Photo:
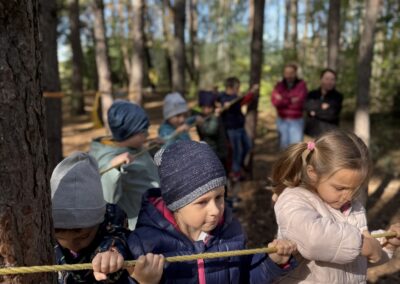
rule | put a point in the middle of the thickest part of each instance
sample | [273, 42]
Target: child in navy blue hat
[210, 128]
[125, 184]
[187, 215]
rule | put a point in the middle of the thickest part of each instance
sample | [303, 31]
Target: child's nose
[214, 209]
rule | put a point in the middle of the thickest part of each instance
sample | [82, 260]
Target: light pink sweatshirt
[328, 240]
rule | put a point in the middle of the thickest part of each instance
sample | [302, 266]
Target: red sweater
[291, 101]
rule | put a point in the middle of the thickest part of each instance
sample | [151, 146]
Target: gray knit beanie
[188, 170]
[174, 104]
[76, 193]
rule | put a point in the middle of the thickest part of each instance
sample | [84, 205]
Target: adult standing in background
[288, 97]
[323, 105]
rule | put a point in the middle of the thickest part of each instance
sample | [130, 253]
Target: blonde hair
[333, 151]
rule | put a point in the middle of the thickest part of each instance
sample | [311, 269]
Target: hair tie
[311, 145]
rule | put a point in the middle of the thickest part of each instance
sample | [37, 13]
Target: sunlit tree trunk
[51, 80]
[137, 64]
[102, 60]
[77, 99]
[365, 56]
[25, 207]
[333, 34]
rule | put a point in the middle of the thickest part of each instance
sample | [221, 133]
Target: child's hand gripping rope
[127, 264]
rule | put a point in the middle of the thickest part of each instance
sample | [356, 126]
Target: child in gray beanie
[125, 184]
[187, 215]
[176, 124]
[86, 228]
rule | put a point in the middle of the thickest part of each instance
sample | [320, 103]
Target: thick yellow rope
[179, 258]
[84, 266]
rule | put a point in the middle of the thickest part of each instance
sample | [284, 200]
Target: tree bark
[194, 53]
[137, 64]
[77, 99]
[102, 60]
[178, 47]
[51, 80]
[25, 208]
[365, 56]
[333, 34]
[287, 23]
[256, 56]
[121, 31]
[167, 40]
[293, 24]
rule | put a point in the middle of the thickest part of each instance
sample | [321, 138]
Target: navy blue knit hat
[188, 170]
[207, 99]
[126, 119]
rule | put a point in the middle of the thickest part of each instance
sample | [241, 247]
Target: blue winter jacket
[157, 232]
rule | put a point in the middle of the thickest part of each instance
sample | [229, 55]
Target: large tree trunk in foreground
[25, 210]
[50, 80]
[137, 62]
[256, 56]
[77, 99]
[102, 60]
[333, 33]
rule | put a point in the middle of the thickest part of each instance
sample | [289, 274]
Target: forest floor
[255, 211]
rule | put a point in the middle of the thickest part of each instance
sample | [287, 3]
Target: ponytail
[288, 169]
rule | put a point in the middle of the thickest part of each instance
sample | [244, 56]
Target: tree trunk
[102, 60]
[167, 41]
[77, 99]
[287, 17]
[194, 54]
[333, 33]
[122, 34]
[365, 55]
[137, 64]
[178, 47]
[293, 30]
[256, 56]
[51, 80]
[25, 208]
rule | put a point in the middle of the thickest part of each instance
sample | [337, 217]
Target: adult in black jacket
[323, 105]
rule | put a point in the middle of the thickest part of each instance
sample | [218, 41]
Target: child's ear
[312, 174]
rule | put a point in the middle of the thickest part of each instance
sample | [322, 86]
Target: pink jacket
[289, 103]
[328, 240]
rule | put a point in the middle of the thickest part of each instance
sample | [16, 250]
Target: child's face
[137, 140]
[177, 120]
[201, 215]
[339, 188]
[233, 90]
[207, 110]
[76, 239]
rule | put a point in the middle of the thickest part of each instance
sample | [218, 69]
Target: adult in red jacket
[288, 97]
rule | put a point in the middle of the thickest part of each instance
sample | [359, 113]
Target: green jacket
[125, 186]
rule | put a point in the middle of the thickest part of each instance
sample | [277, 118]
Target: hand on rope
[179, 258]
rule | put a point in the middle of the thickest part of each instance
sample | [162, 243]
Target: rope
[129, 263]
[134, 157]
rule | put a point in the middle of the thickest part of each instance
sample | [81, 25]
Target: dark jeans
[241, 145]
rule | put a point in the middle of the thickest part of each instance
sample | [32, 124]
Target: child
[233, 121]
[175, 126]
[187, 216]
[125, 184]
[210, 129]
[86, 228]
[317, 183]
